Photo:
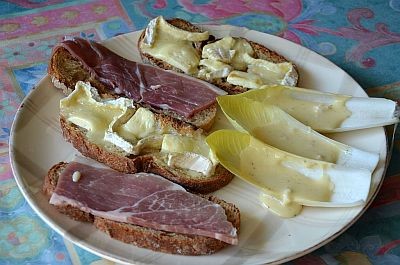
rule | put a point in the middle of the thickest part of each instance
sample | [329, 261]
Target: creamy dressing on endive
[317, 113]
[282, 135]
[275, 127]
[274, 171]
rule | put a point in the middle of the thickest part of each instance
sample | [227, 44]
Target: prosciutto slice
[142, 199]
[143, 83]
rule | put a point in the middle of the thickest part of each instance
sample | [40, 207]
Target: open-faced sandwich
[142, 209]
[234, 64]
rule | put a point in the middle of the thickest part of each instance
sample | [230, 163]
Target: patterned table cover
[361, 37]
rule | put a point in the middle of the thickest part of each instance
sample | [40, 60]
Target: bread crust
[157, 240]
[143, 163]
[261, 52]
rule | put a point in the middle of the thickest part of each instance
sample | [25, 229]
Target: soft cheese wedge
[173, 45]
[189, 152]
[287, 177]
[326, 112]
[275, 127]
[244, 70]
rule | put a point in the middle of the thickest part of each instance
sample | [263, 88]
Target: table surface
[361, 37]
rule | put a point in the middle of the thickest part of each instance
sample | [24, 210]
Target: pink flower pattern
[297, 23]
[367, 40]
[288, 12]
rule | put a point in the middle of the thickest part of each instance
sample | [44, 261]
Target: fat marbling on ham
[143, 83]
[142, 199]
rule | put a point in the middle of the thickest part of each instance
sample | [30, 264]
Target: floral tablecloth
[362, 37]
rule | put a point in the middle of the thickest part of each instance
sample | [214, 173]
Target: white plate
[36, 144]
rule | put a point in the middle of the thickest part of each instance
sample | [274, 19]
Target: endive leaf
[327, 112]
[309, 182]
[275, 127]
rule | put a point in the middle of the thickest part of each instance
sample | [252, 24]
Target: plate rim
[109, 256]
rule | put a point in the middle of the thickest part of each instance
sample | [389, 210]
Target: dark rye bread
[145, 163]
[156, 240]
[66, 71]
[260, 51]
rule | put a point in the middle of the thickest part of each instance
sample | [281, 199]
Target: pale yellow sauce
[267, 168]
[306, 107]
[284, 136]
[275, 127]
[279, 207]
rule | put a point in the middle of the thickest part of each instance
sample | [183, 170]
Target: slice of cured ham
[143, 83]
[142, 199]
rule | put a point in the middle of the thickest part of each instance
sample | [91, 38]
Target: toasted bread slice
[162, 241]
[152, 162]
[260, 52]
[66, 71]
